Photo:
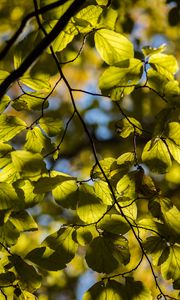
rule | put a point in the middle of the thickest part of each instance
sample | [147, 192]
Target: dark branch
[32, 14]
[30, 59]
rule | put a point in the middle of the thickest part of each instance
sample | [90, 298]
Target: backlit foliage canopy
[89, 150]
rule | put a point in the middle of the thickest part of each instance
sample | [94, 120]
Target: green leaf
[136, 290]
[62, 242]
[121, 79]
[46, 258]
[4, 103]
[29, 278]
[156, 156]
[47, 184]
[155, 246]
[5, 150]
[7, 279]
[126, 127]
[171, 218]
[64, 37]
[130, 211]
[170, 268]
[8, 234]
[59, 250]
[110, 251]
[173, 149]
[102, 191]
[30, 198]
[102, 2]
[126, 160]
[8, 196]
[66, 193]
[35, 140]
[114, 223]
[36, 82]
[90, 208]
[82, 235]
[148, 51]
[51, 126]
[171, 90]
[164, 64]
[28, 163]
[101, 291]
[23, 221]
[87, 18]
[3, 75]
[9, 174]
[10, 126]
[126, 186]
[112, 46]
[173, 132]
[31, 101]
[106, 165]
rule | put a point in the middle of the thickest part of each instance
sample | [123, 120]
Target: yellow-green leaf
[164, 64]
[156, 156]
[170, 268]
[51, 126]
[28, 163]
[112, 46]
[122, 78]
[90, 208]
[10, 126]
[126, 127]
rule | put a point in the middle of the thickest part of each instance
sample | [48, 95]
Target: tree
[89, 149]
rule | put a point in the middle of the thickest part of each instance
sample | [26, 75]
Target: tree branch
[32, 14]
[30, 59]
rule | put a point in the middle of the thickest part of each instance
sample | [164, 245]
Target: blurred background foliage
[144, 23]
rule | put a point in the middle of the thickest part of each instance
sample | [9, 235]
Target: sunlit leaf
[10, 126]
[23, 221]
[173, 132]
[30, 101]
[112, 46]
[101, 291]
[164, 64]
[3, 75]
[173, 149]
[90, 208]
[121, 79]
[170, 268]
[4, 103]
[37, 83]
[102, 191]
[155, 245]
[8, 196]
[35, 140]
[82, 235]
[62, 242]
[51, 126]
[114, 223]
[5, 150]
[126, 127]
[156, 156]
[148, 51]
[126, 160]
[126, 186]
[8, 234]
[28, 163]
